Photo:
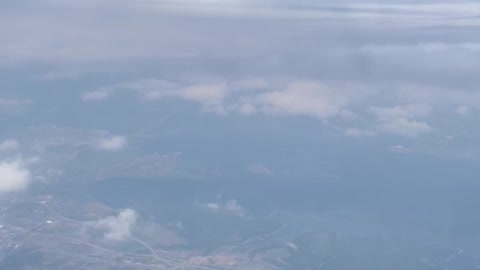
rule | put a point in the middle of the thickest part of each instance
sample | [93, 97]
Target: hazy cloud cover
[9, 145]
[277, 81]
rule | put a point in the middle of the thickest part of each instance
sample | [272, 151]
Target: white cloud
[355, 132]
[405, 127]
[259, 169]
[309, 98]
[210, 95]
[402, 111]
[114, 143]
[234, 207]
[205, 93]
[463, 110]
[213, 206]
[398, 120]
[245, 108]
[96, 95]
[13, 103]
[231, 207]
[117, 228]
[8, 145]
[399, 149]
[14, 176]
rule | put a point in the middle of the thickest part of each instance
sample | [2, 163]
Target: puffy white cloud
[117, 228]
[113, 143]
[210, 94]
[231, 207]
[213, 206]
[398, 120]
[309, 98]
[8, 145]
[405, 127]
[234, 207]
[205, 93]
[14, 176]
[244, 108]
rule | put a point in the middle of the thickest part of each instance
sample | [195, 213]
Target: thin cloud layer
[359, 133]
[9, 145]
[248, 61]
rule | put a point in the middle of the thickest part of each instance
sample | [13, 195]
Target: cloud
[149, 89]
[205, 93]
[113, 143]
[463, 110]
[311, 99]
[14, 103]
[234, 207]
[399, 149]
[259, 169]
[416, 12]
[273, 64]
[405, 127]
[96, 95]
[117, 228]
[209, 94]
[402, 111]
[231, 207]
[398, 120]
[307, 98]
[8, 145]
[14, 176]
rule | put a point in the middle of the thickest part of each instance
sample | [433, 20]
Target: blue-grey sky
[279, 90]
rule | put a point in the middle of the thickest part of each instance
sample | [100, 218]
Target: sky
[361, 91]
